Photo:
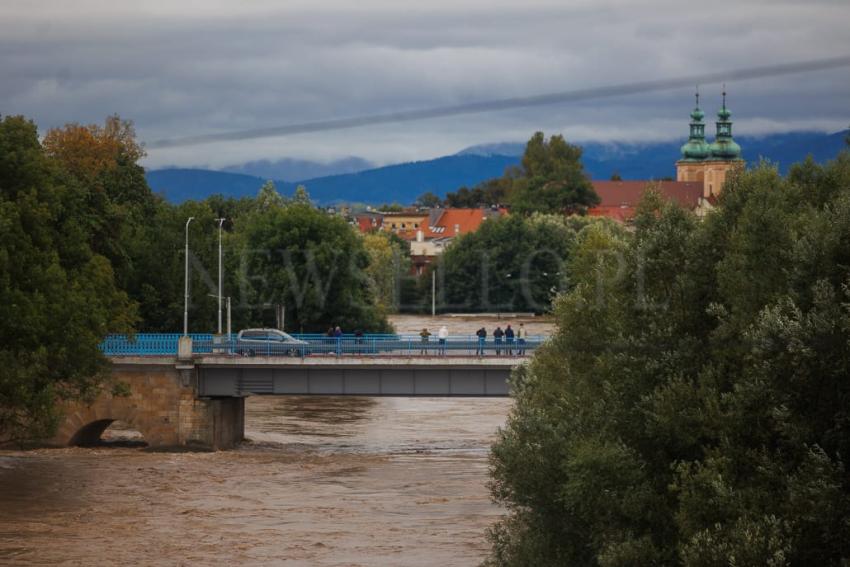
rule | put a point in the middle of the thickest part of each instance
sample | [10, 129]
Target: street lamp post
[434, 292]
[220, 223]
[186, 287]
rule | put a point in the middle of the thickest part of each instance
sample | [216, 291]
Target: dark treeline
[694, 406]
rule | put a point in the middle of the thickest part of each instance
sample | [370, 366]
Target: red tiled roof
[628, 193]
[464, 220]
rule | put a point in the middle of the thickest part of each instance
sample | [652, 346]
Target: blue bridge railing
[150, 344]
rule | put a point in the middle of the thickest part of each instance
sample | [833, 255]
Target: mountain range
[404, 182]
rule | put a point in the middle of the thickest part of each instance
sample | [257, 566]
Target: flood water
[323, 481]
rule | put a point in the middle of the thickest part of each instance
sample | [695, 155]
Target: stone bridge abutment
[162, 403]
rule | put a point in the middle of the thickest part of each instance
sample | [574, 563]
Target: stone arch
[90, 434]
[84, 426]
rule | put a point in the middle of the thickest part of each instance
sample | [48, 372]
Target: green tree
[428, 200]
[388, 264]
[312, 263]
[491, 192]
[58, 297]
[692, 407]
[268, 197]
[510, 264]
[553, 179]
[301, 196]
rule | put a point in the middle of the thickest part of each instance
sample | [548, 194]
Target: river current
[321, 481]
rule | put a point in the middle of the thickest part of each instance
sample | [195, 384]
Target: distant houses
[428, 231]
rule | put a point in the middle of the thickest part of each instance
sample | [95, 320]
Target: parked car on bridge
[252, 342]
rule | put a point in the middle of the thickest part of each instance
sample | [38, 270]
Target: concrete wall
[162, 406]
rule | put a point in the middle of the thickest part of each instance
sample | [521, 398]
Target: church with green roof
[707, 163]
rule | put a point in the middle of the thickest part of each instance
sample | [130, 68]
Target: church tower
[725, 153]
[709, 164]
[695, 151]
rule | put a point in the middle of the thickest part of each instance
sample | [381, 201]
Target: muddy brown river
[323, 481]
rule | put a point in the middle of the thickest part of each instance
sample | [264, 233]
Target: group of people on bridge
[505, 341]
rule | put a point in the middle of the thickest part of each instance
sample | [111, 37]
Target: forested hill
[402, 182]
[406, 181]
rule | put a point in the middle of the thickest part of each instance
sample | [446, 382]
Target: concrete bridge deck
[360, 376]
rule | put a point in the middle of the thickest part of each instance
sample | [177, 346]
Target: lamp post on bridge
[220, 223]
[186, 286]
[434, 292]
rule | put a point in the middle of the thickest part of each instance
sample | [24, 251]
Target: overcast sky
[182, 68]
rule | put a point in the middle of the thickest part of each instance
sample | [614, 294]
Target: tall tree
[553, 178]
[58, 297]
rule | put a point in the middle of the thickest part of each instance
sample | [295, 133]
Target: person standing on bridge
[482, 337]
[509, 338]
[442, 335]
[338, 337]
[521, 334]
[497, 338]
[358, 340]
[425, 334]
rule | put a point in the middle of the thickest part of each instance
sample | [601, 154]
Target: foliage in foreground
[58, 295]
[694, 407]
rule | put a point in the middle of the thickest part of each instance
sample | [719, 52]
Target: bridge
[190, 391]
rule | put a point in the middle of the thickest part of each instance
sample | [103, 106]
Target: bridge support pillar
[160, 400]
[224, 422]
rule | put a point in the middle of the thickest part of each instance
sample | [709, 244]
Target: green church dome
[725, 150]
[724, 147]
[696, 148]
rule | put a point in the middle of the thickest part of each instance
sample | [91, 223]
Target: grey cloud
[179, 72]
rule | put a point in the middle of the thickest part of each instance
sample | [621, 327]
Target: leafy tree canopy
[692, 407]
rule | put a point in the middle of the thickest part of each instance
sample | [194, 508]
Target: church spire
[724, 147]
[696, 148]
